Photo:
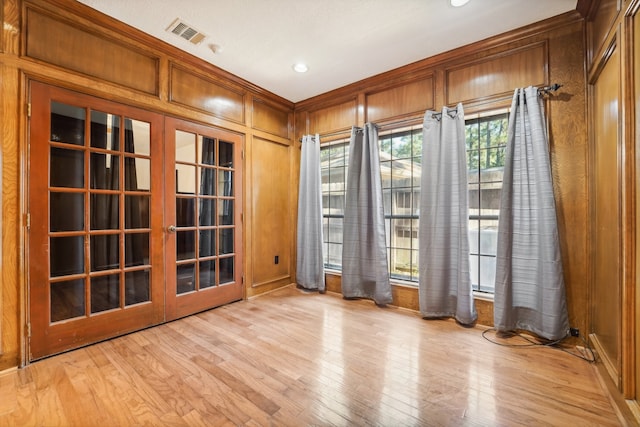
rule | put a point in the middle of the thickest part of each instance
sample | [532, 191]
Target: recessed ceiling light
[300, 68]
[458, 3]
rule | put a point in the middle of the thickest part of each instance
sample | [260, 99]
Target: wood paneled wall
[613, 46]
[66, 44]
[483, 77]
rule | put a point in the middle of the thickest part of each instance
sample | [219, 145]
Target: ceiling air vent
[186, 31]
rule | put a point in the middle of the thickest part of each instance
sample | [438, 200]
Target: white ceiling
[342, 41]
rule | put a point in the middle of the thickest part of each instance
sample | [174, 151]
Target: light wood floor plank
[292, 358]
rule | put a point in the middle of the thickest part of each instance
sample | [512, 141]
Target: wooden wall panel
[606, 289]
[413, 97]
[333, 118]
[60, 43]
[272, 230]
[195, 91]
[2, 31]
[497, 75]
[569, 152]
[11, 254]
[300, 125]
[635, 96]
[601, 24]
[270, 119]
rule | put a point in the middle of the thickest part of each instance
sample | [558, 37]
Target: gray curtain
[445, 281]
[365, 273]
[529, 288]
[310, 267]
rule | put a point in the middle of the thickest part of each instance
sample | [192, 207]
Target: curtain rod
[541, 90]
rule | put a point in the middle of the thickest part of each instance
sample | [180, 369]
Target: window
[400, 167]
[400, 157]
[401, 170]
[333, 163]
[486, 142]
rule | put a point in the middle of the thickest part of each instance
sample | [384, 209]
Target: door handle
[171, 229]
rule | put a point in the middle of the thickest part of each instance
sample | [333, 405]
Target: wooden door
[96, 253]
[203, 217]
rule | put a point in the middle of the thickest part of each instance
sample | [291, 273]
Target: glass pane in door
[67, 299]
[67, 123]
[66, 212]
[105, 293]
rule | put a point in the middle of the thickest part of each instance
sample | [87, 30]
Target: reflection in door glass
[206, 155]
[185, 211]
[225, 183]
[226, 270]
[105, 252]
[66, 211]
[136, 249]
[207, 243]
[67, 299]
[205, 214]
[66, 255]
[186, 280]
[225, 212]
[136, 286]
[105, 293]
[226, 154]
[185, 147]
[185, 245]
[207, 273]
[226, 241]
[67, 123]
[105, 211]
[137, 137]
[66, 168]
[105, 131]
[105, 171]
[137, 174]
[207, 181]
[185, 179]
[136, 212]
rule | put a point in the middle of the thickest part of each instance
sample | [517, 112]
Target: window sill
[482, 296]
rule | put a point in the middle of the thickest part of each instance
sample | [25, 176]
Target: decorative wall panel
[336, 117]
[497, 75]
[57, 42]
[413, 97]
[195, 91]
[270, 119]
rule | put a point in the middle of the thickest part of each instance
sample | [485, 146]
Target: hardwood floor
[291, 358]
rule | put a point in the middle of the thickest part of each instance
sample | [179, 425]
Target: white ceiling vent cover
[186, 31]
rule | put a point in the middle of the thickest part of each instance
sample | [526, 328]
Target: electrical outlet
[575, 332]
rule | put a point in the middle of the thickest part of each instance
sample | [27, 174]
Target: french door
[203, 208]
[111, 248]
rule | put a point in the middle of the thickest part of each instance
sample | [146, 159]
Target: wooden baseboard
[634, 407]
[609, 381]
[8, 371]
[604, 359]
